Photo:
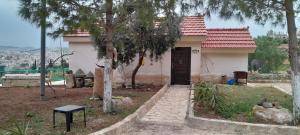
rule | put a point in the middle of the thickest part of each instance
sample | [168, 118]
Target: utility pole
[43, 49]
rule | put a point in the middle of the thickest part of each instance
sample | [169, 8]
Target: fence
[55, 74]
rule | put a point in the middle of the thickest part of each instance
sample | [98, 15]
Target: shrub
[209, 94]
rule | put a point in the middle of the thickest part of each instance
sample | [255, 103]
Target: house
[200, 54]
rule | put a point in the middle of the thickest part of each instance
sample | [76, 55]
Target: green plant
[18, 129]
[208, 93]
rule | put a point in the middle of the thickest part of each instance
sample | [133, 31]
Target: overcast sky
[16, 32]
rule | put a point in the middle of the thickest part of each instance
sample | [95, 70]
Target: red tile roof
[228, 38]
[190, 26]
[193, 26]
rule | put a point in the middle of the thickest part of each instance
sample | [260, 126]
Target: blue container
[231, 82]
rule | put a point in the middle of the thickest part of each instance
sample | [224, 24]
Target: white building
[201, 54]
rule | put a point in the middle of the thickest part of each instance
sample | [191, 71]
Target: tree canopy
[137, 26]
[268, 55]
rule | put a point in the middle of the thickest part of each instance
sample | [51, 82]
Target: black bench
[68, 111]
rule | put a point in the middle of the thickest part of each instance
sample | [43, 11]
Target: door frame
[173, 69]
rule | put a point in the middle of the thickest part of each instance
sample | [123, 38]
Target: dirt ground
[16, 103]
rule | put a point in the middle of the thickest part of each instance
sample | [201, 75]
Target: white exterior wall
[196, 63]
[223, 63]
[204, 62]
[84, 57]
[152, 71]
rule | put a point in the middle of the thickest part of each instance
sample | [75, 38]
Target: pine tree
[35, 11]
[107, 20]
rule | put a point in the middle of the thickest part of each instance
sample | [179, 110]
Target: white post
[107, 86]
[296, 94]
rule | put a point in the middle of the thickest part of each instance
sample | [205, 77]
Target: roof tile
[228, 38]
[193, 26]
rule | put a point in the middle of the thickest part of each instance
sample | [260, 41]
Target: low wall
[213, 78]
[21, 80]
[269, 81]
[231, 127]
[127, 123]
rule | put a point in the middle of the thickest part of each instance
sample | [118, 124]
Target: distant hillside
[8, 47]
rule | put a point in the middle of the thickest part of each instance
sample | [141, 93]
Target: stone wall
[21, 80]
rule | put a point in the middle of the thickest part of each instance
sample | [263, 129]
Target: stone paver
[284, 87]
[156, 129]
[171, 108]
[167, 116]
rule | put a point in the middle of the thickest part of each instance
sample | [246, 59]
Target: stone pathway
[167, 116]
[171, 108]
[284, 87]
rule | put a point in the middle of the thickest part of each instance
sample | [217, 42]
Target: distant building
[281, 35]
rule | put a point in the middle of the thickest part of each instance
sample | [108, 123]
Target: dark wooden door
[181, 65]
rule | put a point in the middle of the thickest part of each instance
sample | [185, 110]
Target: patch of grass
[239, 101]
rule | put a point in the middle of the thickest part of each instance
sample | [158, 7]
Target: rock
[277, 105]
[116, 103]
[260, 103]
[89, 75]
[70, 81]
[88, 82]
[279, 116]
[267, 104]
[127, 101]
[122, 102]
[79, 82]
[79, 73]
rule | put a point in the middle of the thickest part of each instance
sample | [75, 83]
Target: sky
[16, 32]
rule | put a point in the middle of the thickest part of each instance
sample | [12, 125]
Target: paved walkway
[284, 87]
[167, 116]
[171, 108]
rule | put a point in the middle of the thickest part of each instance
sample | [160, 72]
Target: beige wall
[158, 72]
[84, 57]
[151, 72]
[214, 65]
[204, 62]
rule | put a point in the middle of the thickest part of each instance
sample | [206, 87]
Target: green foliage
[261, 11]
[273, 77]
[239, 101]
[268, 54]
[143, 31]
[20, 128]
[208, 93]
[33, 11]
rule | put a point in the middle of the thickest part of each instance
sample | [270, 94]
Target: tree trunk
[108, 60]
[98, 88]
[43, 50]
[136, 69]
[293, 57]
